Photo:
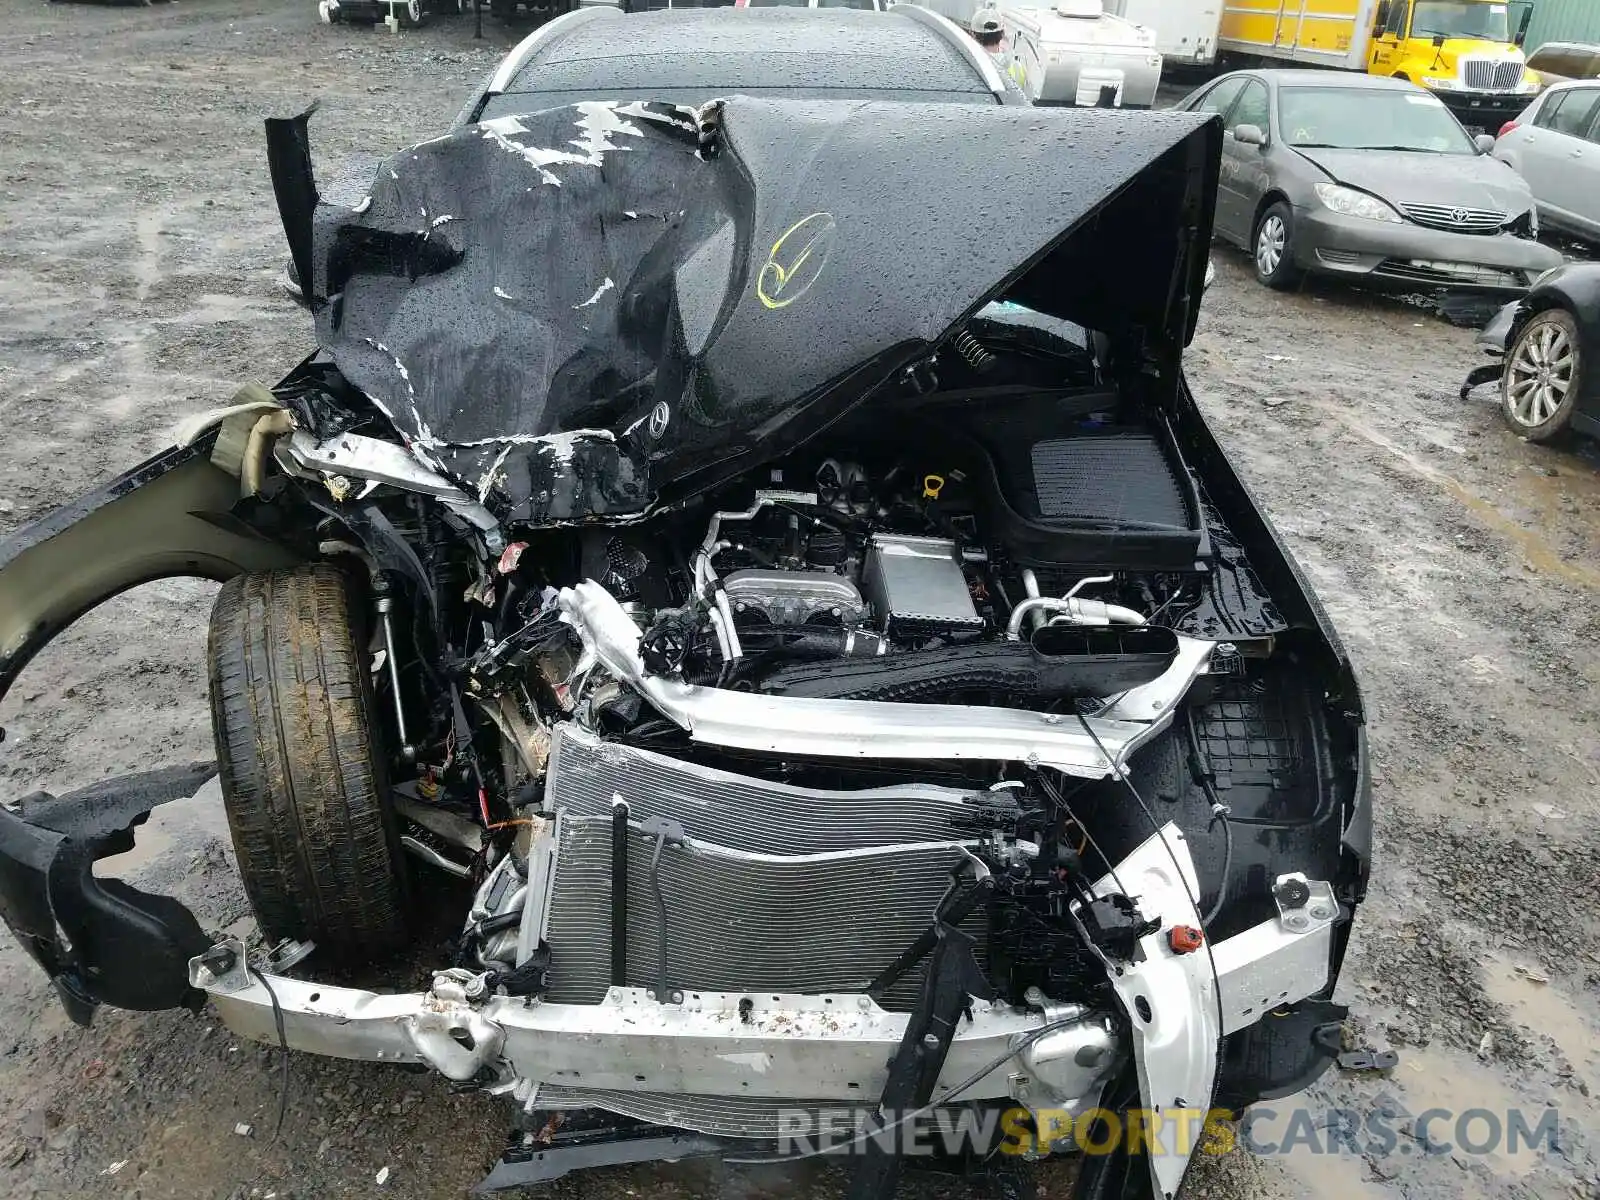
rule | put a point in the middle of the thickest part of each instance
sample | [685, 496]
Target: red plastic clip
[1184, 939]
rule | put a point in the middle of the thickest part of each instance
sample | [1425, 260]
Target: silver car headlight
[1348, 202]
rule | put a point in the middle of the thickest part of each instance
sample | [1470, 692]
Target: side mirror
[1249, 135]
[1381, 21]
[1484, 142]
[1522, 26]
[1438, 39]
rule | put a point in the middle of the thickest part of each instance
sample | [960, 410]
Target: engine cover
[795, 597]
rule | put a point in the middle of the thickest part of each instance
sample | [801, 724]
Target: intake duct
[1057, 662]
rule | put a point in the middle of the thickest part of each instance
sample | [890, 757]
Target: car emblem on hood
[1458, 215]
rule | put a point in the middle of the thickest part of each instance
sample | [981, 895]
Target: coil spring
[971, 349]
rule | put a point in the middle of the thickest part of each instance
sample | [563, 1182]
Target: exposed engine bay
[953, 733]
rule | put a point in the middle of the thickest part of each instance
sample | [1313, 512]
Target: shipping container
[1313, 33]
[1564, 21]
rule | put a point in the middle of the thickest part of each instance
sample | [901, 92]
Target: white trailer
[1186, 30]
[1073, 52]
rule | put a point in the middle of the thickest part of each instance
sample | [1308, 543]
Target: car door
[1389, 28]
[1242, 181]
[1556, 157]
[1586, 173]
[1219, 98]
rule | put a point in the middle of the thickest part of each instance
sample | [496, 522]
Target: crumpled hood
[585, 311]
[1404, 177]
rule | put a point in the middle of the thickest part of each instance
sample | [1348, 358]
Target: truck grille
[1458, 220]
[1485, 74]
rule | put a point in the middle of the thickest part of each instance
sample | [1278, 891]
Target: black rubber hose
[811, 645]
[1060, 662]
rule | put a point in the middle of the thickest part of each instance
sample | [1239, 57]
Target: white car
[1555, 146]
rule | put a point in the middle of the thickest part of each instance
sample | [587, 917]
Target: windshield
[1369, 119]
[1460, 19]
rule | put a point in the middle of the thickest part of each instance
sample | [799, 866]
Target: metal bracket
[952, 980]
[1304, 905]
[665, 831]
[1367, 1060]
[955, 906]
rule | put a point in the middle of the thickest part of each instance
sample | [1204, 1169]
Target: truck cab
[1467, 52]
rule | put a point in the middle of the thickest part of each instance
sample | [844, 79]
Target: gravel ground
[139, 251]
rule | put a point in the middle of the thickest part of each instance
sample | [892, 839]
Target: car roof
[1347, 80]
[850, 51]
[1567, 85]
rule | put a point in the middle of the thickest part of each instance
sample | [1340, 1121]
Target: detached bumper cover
[99, 940]
[1407, 255]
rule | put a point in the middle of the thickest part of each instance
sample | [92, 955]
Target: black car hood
[1403, 177]
[594, 309]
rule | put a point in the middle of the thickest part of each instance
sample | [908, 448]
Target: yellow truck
[1467, 52]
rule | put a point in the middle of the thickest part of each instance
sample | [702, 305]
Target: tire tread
[302, 783]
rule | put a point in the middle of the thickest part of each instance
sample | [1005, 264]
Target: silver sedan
[1368, 179]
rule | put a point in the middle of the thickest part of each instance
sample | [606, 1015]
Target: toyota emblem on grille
[1458, 215]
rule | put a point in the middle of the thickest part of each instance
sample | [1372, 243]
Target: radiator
[776, 889]
[737, 811]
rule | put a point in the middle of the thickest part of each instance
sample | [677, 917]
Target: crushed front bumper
[711, 1058]
[1408, 256]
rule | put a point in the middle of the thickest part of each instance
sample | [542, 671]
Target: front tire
[303, 783]
[1272, 247]
[1543, 377]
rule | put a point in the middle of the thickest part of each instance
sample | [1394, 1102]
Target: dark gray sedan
[1369, 179]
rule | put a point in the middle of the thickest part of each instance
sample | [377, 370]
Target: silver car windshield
[1461, 19]
[1369, 119]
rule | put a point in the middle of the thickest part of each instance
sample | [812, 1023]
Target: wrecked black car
[831, 649]
[1543, 346]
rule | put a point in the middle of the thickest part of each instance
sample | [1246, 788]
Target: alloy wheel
[1270, 241]
[1540, 374]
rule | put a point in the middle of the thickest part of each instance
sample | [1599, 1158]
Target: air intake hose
[1058, 662]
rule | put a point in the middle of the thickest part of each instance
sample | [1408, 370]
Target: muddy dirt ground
[139, 253]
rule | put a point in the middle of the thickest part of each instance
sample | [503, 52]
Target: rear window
[1570, 112]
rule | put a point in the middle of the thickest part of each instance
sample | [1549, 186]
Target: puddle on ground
[1539, 553]
[1433, 1077]
[179, 824]
[1330, 1177]
[1545, 1009]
